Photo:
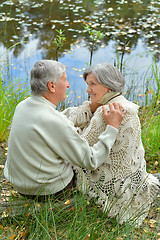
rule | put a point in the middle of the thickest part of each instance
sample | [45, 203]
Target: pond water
[132, 27]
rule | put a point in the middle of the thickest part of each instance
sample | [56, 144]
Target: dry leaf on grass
[67, 202]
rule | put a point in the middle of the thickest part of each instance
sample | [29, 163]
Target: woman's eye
[91, 84]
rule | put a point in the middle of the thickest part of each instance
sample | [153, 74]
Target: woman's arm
[80, 116]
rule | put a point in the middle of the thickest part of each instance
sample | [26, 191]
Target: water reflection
[129, 26]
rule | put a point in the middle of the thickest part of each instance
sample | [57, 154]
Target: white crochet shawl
[121, 185]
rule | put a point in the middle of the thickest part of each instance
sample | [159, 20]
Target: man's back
[32, 163]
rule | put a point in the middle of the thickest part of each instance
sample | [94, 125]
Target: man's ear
[51, 86]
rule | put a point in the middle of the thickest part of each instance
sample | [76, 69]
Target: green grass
[10, 96]
[150, 122]
[81, 218]
[75, 220]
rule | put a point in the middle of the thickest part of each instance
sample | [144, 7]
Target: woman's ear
[51, 86]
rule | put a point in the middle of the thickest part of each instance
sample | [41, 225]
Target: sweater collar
[108, 96]
[44, 100]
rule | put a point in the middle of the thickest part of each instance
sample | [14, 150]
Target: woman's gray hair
[44, 71]
[107, 75]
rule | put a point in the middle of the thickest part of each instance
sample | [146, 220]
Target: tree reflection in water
[128, 27]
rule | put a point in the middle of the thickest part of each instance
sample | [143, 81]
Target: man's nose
[68, 85]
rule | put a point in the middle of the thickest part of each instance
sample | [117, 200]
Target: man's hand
[115, 116]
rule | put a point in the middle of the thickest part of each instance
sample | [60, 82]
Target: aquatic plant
[152, 92]
[118, 61]
[95, 36]
[59, 41]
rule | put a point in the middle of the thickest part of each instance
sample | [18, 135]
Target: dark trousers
[59, 195]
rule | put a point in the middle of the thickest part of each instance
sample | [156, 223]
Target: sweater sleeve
[80, 116]
[72, 148]
[95, 127]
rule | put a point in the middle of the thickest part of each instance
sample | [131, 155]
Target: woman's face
[95, 89]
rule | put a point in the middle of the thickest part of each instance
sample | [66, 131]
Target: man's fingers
[111, 106]
[121, 108]
[117, 106]
[104, 110]
[114, 107]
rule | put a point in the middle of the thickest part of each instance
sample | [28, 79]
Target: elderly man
[43, 143]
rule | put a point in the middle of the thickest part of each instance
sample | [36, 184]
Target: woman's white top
[121, 184]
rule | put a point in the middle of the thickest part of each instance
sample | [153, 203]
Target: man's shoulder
[23, 103]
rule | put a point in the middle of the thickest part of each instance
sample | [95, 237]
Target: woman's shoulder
[126, 104]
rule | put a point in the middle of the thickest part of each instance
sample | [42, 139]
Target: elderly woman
[121, 184]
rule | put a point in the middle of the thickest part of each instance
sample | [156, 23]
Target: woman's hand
[115, 116]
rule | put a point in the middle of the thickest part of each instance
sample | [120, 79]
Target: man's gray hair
[44, 71]
[107, 75]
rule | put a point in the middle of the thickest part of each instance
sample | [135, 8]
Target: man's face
[60, 87]
[95, 89]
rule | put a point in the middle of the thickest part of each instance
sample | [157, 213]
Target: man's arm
[76, 150]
